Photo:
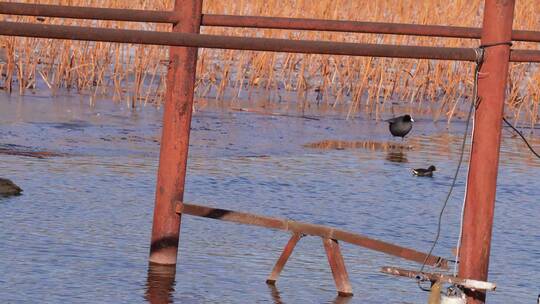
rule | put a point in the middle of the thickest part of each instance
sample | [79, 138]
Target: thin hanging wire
[474, 102]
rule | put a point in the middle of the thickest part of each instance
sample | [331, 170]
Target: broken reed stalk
[134, 73]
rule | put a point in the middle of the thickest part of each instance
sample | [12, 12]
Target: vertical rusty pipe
[175, 136]
[482, 178]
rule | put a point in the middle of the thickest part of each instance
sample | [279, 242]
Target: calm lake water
[81, 231]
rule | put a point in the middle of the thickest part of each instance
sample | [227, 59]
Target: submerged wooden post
[482, 176]
[339, 271]
[175, 136]
[287, 251]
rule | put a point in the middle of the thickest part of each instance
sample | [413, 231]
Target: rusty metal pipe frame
[482, 177]
[175, 137]
[77, 12]
[309, 229]
[248, 43]
[229, 42]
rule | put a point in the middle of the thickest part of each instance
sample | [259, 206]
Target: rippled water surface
[80, 233]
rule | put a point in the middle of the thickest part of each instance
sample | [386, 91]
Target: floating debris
[254, 156]
[367, 144]
[9, 149]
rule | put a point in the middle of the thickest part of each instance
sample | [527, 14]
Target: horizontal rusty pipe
[310, 229]
[248, 43]
[340, 26]
[228, 42]
[78, 12]
[524, 55]
[357, 27]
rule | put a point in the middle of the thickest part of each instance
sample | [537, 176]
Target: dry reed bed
[134, 73]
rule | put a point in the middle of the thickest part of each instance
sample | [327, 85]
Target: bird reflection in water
[160, 284]
[276, 297]
[396, 156]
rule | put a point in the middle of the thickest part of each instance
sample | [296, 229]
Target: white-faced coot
[401, 125]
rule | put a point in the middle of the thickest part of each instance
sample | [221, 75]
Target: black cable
[522, 137]
[451, 186]
[474, 103]
[483, 46]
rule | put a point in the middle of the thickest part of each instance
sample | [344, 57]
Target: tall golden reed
[134, 73]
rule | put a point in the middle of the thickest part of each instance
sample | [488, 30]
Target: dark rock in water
[401, 125]
[8, 188]
[424, 172]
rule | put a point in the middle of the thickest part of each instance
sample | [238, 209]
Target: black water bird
[424, 172]
[401, 125]
[8, 188]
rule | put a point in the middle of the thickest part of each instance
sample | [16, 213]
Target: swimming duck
[424, 172]
[8, 188]
[401, 125]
